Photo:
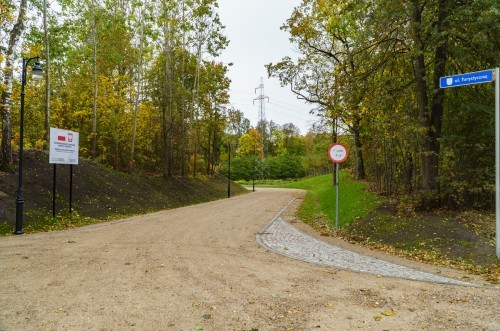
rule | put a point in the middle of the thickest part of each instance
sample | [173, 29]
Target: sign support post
[337, 198]
[497, 159]
[54, 176]
[485, 76]
[63, 150]
[337, 154]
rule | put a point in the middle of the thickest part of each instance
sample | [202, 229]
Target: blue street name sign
[477, 77]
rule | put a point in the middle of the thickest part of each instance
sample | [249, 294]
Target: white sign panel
[337, 153]
[63, 146]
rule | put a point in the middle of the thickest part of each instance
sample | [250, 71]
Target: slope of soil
[463, 240]
[100, 192]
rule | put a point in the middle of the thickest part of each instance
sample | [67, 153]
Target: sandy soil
[200, 268]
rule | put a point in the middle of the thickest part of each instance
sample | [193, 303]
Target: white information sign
[63, 146]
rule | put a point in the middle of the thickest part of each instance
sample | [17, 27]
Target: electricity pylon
[260, 165]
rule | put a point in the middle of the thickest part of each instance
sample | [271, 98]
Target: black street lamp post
[37, 73]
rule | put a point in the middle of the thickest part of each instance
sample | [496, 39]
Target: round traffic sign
[337, 153]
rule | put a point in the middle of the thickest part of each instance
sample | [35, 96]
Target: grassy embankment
[319, 203]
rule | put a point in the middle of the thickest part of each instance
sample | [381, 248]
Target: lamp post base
[19, 214]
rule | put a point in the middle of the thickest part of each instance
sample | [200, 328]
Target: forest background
[141, 82]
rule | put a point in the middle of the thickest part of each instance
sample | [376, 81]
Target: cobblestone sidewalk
[282, 238]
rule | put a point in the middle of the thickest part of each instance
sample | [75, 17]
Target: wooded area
[374, 67]
[141, 82]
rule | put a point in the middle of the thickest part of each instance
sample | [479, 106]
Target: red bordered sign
[337, 153]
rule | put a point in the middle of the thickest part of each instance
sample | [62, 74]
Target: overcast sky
[253, 28]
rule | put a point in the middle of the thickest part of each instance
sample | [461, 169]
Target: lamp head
[37, 72]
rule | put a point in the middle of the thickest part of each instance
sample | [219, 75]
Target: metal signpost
[485, 76]
[337, 154]
[63, 150]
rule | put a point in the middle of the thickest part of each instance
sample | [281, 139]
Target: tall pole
[20, 189]
[54, 179]
[37, 72]
[337, 197]
[70, 187]
[497, 159]
[261, 127]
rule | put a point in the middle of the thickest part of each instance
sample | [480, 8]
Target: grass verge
[320, 202]
[461, 240]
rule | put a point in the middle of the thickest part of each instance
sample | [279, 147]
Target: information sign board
[63, 146]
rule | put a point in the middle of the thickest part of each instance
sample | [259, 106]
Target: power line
[291, 109]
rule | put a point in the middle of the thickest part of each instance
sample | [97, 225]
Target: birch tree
[14, 36]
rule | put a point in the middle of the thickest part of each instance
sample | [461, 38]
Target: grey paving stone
[282, 238]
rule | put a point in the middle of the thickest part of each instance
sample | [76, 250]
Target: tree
[5, 108]
[248, 143]
[46, 42]
[334, 42]
[375, 67]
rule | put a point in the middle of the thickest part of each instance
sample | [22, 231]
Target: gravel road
[201, 268]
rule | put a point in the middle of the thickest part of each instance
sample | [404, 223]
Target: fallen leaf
[377, 318]
[389, 313]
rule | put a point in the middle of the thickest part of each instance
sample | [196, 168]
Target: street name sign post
[337, 153]
[478, 77]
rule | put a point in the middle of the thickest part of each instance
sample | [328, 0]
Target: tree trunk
[183, 102]
[358, 151]
[138, 88]
[170, 136]
[163, 141]
[94, 121]
[192, 123]
[15, 34]
[422, 99]
[209, 154]
[430, 117]
[47, 75]
[335, 136]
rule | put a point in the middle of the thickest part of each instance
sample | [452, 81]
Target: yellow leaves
[388, 313]
[6, 13]
[32, 50]
[249, 144]
[294, 312]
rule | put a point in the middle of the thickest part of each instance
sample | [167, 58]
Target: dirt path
[200, 267]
